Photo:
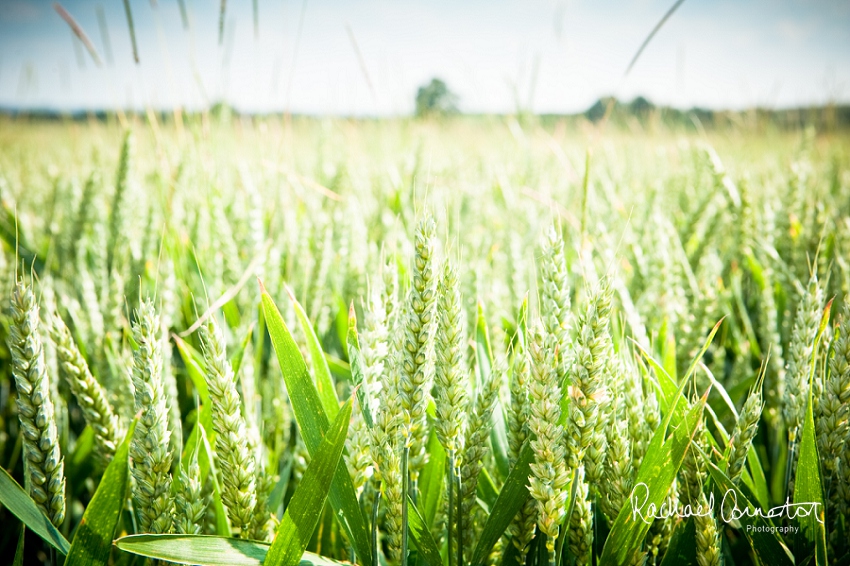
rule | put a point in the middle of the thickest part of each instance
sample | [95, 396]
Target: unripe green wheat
[555, 300]
[450, 380]
[833, 429]
[44, 463]
[476, 447]
[800, 357]
[618, 470]
[550, 478]
[520, 407]
[359, 458]
[150, 448]
[190, 502]
[234, 456]
[417, 351]
[771, 340]
[707, 535]
[580, 536]
[588, 389]
[116, 214]
[91, 396]
[392, 489]
[263, 522]
[744, 432]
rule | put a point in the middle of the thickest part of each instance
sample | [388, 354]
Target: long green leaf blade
[324, 382]
[484, 361]
[205, 550]
[422, 537]
[656, 475]
[16, 500]
[355, 361]
[808, 491]
[206, 463]
[759, 531]
[511, 498]
[93, 539]
[682, 548]
[19, 551]
[80, 464]
[239, 354]
[313, 422]
[304, 510]
[194, 367]
[431, 480]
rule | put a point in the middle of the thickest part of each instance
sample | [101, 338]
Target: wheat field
[458, 342]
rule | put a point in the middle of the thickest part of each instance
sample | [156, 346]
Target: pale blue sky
[715, 53]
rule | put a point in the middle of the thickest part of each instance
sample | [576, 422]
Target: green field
[448, 342]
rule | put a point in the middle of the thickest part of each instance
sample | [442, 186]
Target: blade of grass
[656, 474]
[808, 490]
[355, 361]
[313, 422]
[486, 489]
[324, 383]
[222, 10]
[484, 363]
[80, 465]
[668, 353]
[19, 550]
[236, 358]
[340, 369]
[15, 499]
[681, 551]
[279, 491]
[93, 538]
[511, 498]
[205, 550]
[421, 536]
[756, 480]
[194, 363]
[666, 385]
[651, 35]
[305, 508]
[431, 480]
[758, 531]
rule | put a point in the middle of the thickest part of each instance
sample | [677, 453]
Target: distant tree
[222, 112]
[600, 108]
[435, 98]
[641, 107]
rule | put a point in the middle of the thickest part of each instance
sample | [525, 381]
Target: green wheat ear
[833, 429]
[44, 463]
[549, 474]
[555, 300]
[417, 364]
[190, 502]
[236, 462]
[150, 448]
[745, 431]
[799, 357]
[450, 380]
[90, 395]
